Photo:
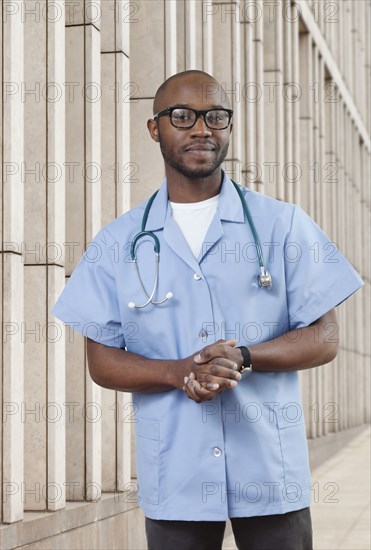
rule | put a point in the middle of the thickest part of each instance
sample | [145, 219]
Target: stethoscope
[264, 277]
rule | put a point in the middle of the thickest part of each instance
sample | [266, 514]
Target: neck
[183, 189]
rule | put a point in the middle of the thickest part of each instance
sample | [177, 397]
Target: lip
[200, 148]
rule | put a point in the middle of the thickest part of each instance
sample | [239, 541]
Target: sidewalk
[341, 517]
[341, 499]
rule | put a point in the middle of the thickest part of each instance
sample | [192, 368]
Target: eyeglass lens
[216, 119]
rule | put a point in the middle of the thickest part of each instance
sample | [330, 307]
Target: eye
[182, 115]
[217, 116]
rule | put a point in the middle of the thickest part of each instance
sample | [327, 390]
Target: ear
[153, 129]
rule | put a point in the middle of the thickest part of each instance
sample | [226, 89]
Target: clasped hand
[213, 370]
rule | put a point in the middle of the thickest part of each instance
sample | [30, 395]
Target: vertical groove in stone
[2, 393]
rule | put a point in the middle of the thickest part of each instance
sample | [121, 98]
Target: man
[212, 442]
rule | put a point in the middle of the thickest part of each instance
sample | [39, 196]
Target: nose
[200, 128]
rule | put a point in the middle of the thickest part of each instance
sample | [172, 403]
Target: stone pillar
[147, 73]
[83, 220]
[12, 233]
[297, 184]
[330, 217]
[193, 34]
[249, 98]
[226, 63]
[260, 109]
[171, 11]
[306, 123]
[290, 96]
[273, 100]
[118, 176]
[366, 298]
[207, 38]
[44, 421]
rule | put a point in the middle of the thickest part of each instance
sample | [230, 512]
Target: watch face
[246, 369]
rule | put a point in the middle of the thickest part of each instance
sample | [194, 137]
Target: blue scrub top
[245, 452]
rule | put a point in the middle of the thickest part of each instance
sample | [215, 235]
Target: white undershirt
[194, 220]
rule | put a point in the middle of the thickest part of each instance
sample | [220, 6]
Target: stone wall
[79, 79]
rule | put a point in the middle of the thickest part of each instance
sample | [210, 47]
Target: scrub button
[197, 277]
[203, 334]
[217, 452]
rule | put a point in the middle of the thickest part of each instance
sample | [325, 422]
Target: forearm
[295, 350]
[299, 349]
[121, 370]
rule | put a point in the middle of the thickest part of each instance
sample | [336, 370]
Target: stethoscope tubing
[264, 277]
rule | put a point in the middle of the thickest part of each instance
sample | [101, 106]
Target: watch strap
[246, 365]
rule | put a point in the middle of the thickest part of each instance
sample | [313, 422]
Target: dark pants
[291, 531]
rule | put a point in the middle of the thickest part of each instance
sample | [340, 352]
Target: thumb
[231, 343]
[199, 359]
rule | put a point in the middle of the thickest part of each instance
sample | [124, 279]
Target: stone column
[290, 93]
[273, 100]
[83, 220]
[44, 420]
[118, 175]
[147, 73]
[12, 229]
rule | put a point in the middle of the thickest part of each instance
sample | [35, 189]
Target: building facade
[79, 78]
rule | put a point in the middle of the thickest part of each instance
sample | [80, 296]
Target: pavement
[341, 499]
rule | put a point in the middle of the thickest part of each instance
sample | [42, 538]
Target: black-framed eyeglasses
[185, 118]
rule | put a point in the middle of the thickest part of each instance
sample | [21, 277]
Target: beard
[197, 172]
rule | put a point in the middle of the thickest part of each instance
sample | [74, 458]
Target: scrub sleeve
[89, 302]
[317, 275]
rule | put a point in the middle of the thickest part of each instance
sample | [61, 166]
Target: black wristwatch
[246, 367]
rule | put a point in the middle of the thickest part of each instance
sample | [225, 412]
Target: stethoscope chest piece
[264, 279]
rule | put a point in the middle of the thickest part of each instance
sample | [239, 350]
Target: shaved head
[166, 94]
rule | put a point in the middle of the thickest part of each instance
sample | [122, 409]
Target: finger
[185, 382]
[200, 391]
[190, 387]
[211, 382]
[196, 392]
[231, 342]
[221, 369]
[224, 362]
[214, 350]
[211, 374]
